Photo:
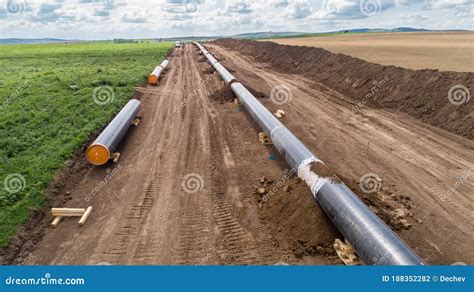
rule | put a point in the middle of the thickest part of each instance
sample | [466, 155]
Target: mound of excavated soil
[423, 94]
[299, 223]
[226, 93]
[304, 227]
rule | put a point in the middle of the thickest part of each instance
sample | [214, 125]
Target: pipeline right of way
[373, 240]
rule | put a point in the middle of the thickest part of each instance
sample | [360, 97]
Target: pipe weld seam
[271, 133]
[314, 181]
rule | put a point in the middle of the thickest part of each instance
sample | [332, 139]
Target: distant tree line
[126, 41]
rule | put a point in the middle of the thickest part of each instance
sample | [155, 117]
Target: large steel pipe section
[221, 70]
[104, 146]
[290, 147]
[373, 240]
[155, 75]
[225, 75]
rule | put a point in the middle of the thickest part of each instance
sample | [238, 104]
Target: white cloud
[122, 18]
[353, 9]
[416, 17]
[446, 4]
[136, 15]
[279, 3]
[243, 7]
[102, 13]
[298, 10]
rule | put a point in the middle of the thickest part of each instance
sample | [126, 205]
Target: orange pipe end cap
[98, 154]
[152, 80]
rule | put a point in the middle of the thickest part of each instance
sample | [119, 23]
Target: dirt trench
[183, 192]
[438, 98]
[424, 175]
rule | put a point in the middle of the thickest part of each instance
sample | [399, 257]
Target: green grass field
[52, 98]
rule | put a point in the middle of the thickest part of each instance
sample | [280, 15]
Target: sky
[108, 19]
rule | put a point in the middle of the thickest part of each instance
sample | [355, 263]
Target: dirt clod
[226, 94]
[261, 191]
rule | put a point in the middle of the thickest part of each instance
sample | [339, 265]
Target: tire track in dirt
[213, 216]
[143, 216]
[196, 232]
[137, 240]
[237, 245]
[413, 159]
[128, 232]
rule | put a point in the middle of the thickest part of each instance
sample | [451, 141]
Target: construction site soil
[423, 94]
[244, 205]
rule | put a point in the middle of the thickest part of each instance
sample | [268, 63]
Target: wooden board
[345, 251]
[264, 139]
[56, 221]
[59, 213]
[85, 216]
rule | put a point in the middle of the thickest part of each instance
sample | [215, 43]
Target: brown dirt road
[142, 215]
